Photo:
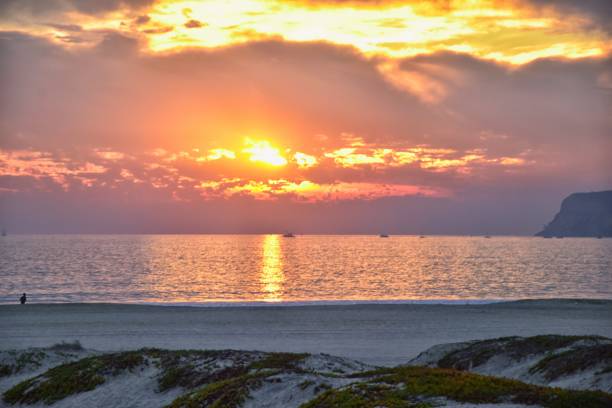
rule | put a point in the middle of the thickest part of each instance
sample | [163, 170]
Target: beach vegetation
[164, 355]
[187, 376]
[226, 379]
[66, 346]
[176, 376]
[322, 387]
[227, 387]
[479, 352]
[230, 393]
[410, 382]
[6, 370]
[305, 384]
[193, 368]
[364, 396]
[22, 360]
[71, 378]
[29, 359]
[280, 361]
[573, 361]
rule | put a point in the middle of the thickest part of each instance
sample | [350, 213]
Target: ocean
[265, 269]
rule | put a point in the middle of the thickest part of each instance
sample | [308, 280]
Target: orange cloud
[304, 160]
[216, 154]
[109, 155]
[514, 32]
[309, 191]
[190, 172]
[38, 165]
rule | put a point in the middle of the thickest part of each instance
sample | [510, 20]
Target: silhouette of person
[23, 299]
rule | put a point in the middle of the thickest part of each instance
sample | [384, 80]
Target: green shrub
[572, 361]
[229, 393]
[67, 379]
[406, 385]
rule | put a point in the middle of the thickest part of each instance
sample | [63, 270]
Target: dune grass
[66, 346]
[573, 361]
[479, 352]
[72, 378]
[411, 386]
[207, 384]
[230, 393]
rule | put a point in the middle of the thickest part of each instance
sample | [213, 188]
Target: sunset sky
[332, 116]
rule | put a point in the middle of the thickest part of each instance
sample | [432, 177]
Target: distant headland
[582, 215]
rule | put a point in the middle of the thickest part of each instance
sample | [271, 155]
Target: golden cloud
[513, 32]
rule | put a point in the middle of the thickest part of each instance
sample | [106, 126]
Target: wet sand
[386, 334]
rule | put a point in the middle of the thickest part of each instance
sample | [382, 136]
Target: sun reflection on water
[251, 268]
[272, 276]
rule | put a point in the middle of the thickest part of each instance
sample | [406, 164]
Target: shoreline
[381, 334]
[322, 303]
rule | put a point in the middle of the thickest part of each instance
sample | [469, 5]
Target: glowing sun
[263, 152]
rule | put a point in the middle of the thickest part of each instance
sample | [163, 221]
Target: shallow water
[270, 268]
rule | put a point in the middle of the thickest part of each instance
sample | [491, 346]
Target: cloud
[158, 30]
[223, 173]
[599, 11]
[115, 45]
[37, 9]
[514, 32]
[143, 19]
[489, 132]
[282, 91]
[66, 27]
[511, 32]
[194, 24]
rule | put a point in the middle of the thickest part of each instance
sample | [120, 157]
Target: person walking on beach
[23, 299]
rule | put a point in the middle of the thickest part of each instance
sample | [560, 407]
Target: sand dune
[574, 362]
[68, 376]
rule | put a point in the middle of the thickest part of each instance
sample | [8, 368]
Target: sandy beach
[376, 334]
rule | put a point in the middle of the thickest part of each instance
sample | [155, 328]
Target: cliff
[582, 215]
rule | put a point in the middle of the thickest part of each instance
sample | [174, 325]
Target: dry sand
[386, 334]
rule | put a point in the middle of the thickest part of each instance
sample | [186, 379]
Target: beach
[380, 334]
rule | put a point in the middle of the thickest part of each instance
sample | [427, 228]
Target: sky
[330, 116]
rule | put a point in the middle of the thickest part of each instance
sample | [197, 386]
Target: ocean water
[212, 269]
